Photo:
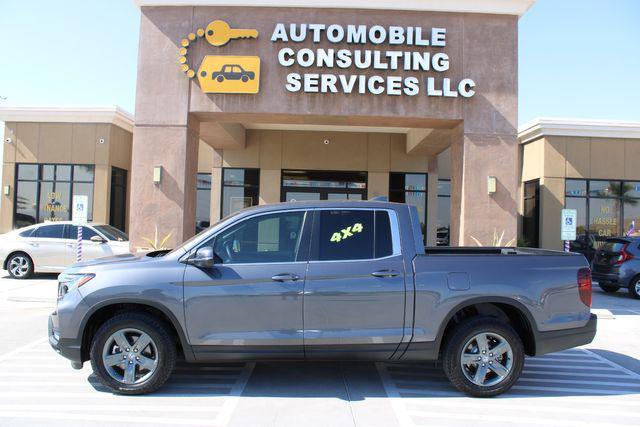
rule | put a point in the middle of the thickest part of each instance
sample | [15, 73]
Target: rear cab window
[342, 235]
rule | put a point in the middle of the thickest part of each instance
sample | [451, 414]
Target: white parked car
[51, 247]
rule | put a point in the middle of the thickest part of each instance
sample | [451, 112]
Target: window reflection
[240, 189]
[44, 191]
[606, 208]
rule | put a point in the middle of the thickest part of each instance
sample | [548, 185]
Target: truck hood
[115, 261]
[109, 260]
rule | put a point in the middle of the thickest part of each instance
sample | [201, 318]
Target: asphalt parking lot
[595, 385]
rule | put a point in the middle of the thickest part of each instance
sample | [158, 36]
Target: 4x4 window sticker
[347, 232]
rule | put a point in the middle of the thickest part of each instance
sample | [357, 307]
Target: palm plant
[496, 241]
[155, 244]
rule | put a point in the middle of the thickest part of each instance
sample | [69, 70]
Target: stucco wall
[552, 159]
[68, 143]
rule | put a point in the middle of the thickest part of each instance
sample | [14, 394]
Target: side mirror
[98, 239]
[203, 258]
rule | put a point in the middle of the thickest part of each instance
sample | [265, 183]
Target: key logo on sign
[222, 73]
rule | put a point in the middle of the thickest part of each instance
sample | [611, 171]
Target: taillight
[624, 256]
[584, 286]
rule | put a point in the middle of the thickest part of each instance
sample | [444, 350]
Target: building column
[164, 134]
[168, 206]
[378, 184]
[475, 214]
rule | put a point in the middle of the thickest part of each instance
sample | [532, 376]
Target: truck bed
[487, 250]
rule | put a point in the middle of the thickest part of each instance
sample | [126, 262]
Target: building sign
[375, 59]
[568, 224]
[326, 65]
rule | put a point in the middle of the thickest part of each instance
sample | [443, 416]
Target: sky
[576, 58]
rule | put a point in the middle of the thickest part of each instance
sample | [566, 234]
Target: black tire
[245, 78]
[166, 352]
[453, 350]
[29, 265]
[634, 287]
[220, 78]
[610, 289]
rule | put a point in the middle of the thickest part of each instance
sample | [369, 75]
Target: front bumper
[69, 348]
[551, 341]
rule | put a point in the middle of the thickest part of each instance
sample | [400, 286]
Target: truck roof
[338, 204]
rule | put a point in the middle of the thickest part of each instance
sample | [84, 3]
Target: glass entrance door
[300, 186]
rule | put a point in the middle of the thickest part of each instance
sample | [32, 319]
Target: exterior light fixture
[6, 190]
[8, 140]
[157, 174]
[491, 184]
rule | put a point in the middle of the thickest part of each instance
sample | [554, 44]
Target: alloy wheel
[19, 266]
[486, 359]
[130, 356]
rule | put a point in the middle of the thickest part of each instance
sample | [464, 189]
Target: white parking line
[561, 390]
[38, 385]
[22, 349]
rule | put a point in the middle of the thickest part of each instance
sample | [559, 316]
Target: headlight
[66, 281]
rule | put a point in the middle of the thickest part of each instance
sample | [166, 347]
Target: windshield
[112, 233]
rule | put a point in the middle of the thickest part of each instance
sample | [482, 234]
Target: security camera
[8, 140]
[101, 141]
[326, 142]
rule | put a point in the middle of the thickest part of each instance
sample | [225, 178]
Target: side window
[72, 232]
[87, 233]
[265, 238]
[27, 233]
[345, 235]
[50, 231]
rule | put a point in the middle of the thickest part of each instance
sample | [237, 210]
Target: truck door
[250, 303]
[354, 297]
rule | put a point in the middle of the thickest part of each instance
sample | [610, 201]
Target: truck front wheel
[483, 357]
[132, 353]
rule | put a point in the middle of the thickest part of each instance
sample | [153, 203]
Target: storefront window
[240, 189]
[605, 208]
[44, 191]
[444, 213]
[305, 185]
[631, 209]
[203, 201]
[410, 188]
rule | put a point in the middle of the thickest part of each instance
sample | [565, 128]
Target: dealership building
[253, 102]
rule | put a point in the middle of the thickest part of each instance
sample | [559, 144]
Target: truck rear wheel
[132, 353]
[483, 357]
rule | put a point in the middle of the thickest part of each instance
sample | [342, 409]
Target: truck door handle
[285, 277]
[385, 273]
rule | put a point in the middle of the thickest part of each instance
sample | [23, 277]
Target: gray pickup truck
[322, 281]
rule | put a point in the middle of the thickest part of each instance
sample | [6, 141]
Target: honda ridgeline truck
[322, 281]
